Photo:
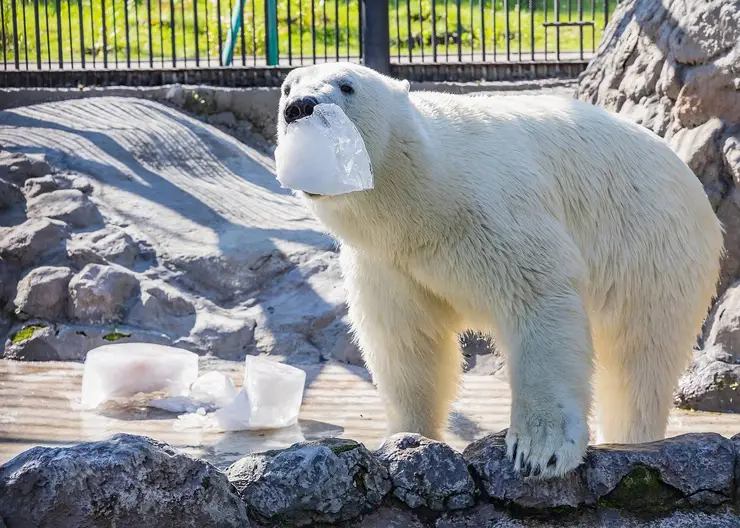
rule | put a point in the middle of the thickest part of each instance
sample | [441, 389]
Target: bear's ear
[405, 86]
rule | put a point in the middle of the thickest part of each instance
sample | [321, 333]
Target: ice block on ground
[324, 154]
[124, 369]
[270, 397]
[213, 388]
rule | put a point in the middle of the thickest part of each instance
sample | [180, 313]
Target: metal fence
[111, 34]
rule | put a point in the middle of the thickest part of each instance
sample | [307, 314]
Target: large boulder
[325, 481]
[123, 481]
[674, 67]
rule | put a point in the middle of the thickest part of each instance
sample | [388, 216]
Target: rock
[658, 476]
[109, 244]
[71, 206]
[495, 475]
[51, 182]
[162, 307]
[43, 293]
[10, 195]
[480, 353]
[101, 294]
[125, 480]
[224, 335]
[9, 276]
[326, 481]
[427, 473]
[709, 385]
[731, 152]
[25, 244]
[17, 168]
[36, 340]
[226, 119]
[723, 325]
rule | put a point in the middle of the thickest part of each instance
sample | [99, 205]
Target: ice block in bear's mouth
[323, 154]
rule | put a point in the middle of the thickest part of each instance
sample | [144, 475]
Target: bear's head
[370, 100]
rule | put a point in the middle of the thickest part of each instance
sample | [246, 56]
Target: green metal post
[236, 24]
[271, 32]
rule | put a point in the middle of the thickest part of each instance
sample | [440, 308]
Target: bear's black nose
[300, 108]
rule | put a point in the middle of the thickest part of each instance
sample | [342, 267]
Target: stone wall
[410, 482]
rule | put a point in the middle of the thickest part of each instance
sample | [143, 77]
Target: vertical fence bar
[361, 16]
[271, 32]
[434, 31]
[421, 28]
[115, 33]
[519, 26]
[14, 15]
[5, 37]
[482, 7]
[459, 31]
[323, 5]
[606, 12]
[161, 33]
[48, 33]
[300, 28]
[313, 31]
[105, 34]
[507, 33]
[290, 35]
[208, 33]
[82, 32]
[254, 35]
[376, 35]
[37, 32]
[580, 28]
[173, 32]
[184, 34]
[25, 33]
[138, 34]
[495, 35]
[336, 27]
[398, 32]
[149, 30]
[349, 28]
[195, 32]
[69, 25]
[243, 37]
[92, 34]
[447, 32]
[409, 41]
[557, 30]
[126, 34]
[532, 8]
[544, 3]
[472, 31]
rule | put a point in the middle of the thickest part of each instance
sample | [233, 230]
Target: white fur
[575, 237]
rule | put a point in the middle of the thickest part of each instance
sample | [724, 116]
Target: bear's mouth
[311, 195]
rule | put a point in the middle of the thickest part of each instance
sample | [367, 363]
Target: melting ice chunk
[270, 398]
[126, 369]
[323, 154]
[213, 388]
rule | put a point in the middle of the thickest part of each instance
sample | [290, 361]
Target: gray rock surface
[674, 67]
[28, 242]
[70, 205]
[427, 473]
[16, 167]
[649, 478]
[325, 481]
[123, 481]
[43, 293]
[101, 294]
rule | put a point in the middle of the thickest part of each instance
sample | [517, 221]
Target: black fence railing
[115, 34]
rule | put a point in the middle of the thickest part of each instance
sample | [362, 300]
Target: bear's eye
[346, 88]
[286, 90]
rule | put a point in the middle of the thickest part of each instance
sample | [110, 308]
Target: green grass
[336, 25]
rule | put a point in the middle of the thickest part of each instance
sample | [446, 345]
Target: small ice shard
[323, 154]
[175, 404]
[213, 388]
[125, 369]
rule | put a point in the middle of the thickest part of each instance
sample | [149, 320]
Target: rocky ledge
[126, 480]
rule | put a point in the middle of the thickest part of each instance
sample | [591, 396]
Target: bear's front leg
[408, 339]
[550, 358]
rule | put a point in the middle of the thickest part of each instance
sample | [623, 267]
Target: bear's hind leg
[408, 339]
[639, 363]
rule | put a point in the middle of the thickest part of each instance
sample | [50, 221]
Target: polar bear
[574, 236]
